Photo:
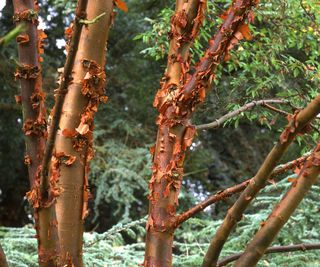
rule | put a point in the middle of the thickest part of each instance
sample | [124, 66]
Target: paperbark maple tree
[59, 167]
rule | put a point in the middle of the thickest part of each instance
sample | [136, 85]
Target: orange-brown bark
[282, 212]
[176, 100]
[34, 126]
[73, 146]
[172, 136]
[298, 124]
[3, 260]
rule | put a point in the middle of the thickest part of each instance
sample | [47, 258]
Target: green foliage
[192, 239]
[120, 174]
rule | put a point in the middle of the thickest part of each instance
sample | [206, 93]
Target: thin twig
[275, 249]
[61, 92]
[218, 122]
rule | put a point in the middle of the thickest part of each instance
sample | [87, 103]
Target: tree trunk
[73, 146]
[176, 101]
[168, 158]
[3, 260]
[34, 127]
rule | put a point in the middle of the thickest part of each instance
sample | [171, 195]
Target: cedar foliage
[111, 248]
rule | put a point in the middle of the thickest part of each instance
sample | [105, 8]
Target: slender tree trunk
[282, 212]
[176, 100]
[3, 260]
[34, 126]
[73, 146]
[168, 156]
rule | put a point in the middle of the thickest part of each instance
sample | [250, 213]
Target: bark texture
[173, 136]
[298, 123]
[282, 212]
[73, 146]
[3, 260]
[34, 125]
[176, 100]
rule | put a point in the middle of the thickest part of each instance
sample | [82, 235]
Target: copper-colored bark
[3, 260]
[172, 136]
[32, 100]
[176, 101]
[282, 212]
[297, 124]
[73, 147]
[61, 92]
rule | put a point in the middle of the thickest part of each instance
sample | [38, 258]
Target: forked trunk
[73, 147]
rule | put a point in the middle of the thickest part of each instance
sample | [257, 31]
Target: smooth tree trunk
[73, 146]
[34, 126]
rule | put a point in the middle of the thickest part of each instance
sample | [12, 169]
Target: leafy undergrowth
[109, 249]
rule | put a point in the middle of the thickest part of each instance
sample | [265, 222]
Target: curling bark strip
[173, 136]
[176, 105]
[298, 124]
[223, 194]
[74, 139]
[282, 212]
[61, 92]
[34, 124]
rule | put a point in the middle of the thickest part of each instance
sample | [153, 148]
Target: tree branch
[223, 194]
[218, 122]
[60, 96]
[275, 249]
[297, 124]
[282, 211]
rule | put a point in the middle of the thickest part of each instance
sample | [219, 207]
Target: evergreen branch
[282, 211]
[296, 125]
[218, 122]
[226, 193]
[61, 92]
[275, 249]
[117, 229]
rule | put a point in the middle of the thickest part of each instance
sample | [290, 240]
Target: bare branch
[219, 122]
[298, 124]
[223, 194]
[275, 249]
[282, 211]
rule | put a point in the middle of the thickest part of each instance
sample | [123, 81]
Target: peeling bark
[34, 126]
[74, 137]
[174, 135]
[282, 212]
[176, 100]
[298, 124]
